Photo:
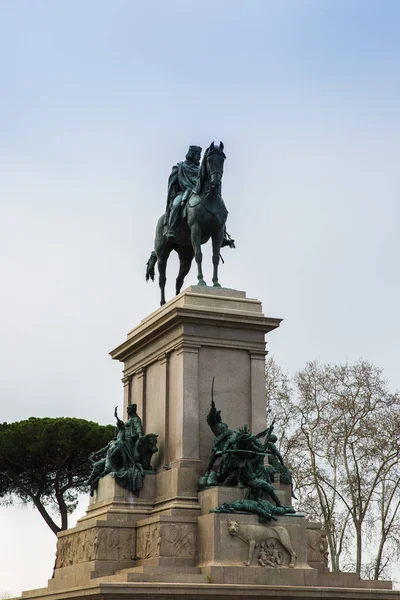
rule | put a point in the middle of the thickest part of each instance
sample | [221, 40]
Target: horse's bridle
[214, 172]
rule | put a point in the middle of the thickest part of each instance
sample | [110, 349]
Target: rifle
[269, 431]
[236, 450]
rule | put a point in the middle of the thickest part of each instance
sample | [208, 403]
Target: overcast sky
[99, 99]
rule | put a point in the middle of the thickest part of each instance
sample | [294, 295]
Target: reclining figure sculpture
[241, 457]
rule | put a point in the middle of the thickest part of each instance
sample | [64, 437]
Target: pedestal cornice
[193, 307]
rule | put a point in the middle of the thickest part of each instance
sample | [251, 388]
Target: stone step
[171, 577]
[161, 569]
[156, 570]
[154, 576]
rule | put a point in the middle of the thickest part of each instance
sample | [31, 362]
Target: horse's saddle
[195, 200]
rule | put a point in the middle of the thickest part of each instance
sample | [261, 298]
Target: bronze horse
[204, 217]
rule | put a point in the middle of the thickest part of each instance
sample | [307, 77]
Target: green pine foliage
[45, 461]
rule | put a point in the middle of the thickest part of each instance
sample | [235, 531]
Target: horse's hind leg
[185, 261]
[216, 244]
[195, 234]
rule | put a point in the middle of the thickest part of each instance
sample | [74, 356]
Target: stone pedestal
[171, 358]
[215, 496]
[163, 542]
[236, 547]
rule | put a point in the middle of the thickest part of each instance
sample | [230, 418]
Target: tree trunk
[62, 506]
[359, 548]
[378, 559]
[53, 526]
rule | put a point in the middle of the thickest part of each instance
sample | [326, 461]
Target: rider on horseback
[205, 217]
[181, 182]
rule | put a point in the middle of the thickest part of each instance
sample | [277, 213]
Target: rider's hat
[195, 149]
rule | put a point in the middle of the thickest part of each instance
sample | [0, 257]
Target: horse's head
[215, 163]
[212, 168]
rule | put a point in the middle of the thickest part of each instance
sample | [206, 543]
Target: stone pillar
[127, 383]
[140, 399]
[188, 445]
[257, 378]
[163, 361]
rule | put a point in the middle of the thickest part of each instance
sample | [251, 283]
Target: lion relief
[255, 535]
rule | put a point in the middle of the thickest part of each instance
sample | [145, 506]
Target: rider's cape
[183, 177]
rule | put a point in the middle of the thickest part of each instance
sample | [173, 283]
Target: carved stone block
[272, 544]
[317, 546]
[95, 543]
[237, 539]
[166, 537]
[75, 548]
[114, 543]
[148, 541]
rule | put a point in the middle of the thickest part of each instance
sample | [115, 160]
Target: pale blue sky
[100, 98]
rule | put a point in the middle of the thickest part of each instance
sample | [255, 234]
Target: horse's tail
[151, 263]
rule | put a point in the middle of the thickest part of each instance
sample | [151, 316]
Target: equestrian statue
[195, 213]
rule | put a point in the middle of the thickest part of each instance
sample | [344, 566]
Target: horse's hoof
[201, 282]
[216, 284]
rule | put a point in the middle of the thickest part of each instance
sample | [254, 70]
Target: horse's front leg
[162, 269]
[216, 244]
[195, 234]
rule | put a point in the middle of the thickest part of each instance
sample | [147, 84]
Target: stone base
[300, 578]
[213, 497]
[104, 540]
[126, 538]
[170, 489]
[156, 526]
[149, 590]
[111, 500]
[217, 547]
[165, 540]
[261, 576]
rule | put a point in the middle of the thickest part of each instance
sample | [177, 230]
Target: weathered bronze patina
[195, 213]
[241, 457]
[127, 457]
[180, 183]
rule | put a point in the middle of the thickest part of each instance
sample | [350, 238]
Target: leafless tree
[343, 444]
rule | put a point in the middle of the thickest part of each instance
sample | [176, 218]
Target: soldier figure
[181, 182]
